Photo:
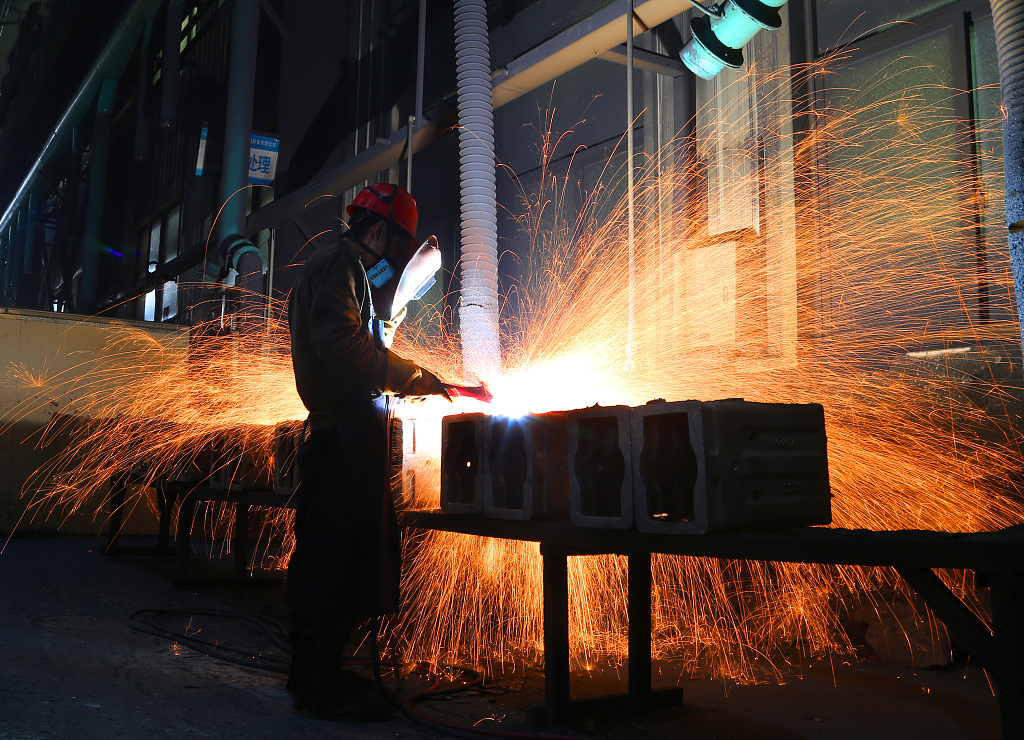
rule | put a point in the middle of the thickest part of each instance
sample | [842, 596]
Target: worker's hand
[391, 326]
[426, 384]
[476, 392]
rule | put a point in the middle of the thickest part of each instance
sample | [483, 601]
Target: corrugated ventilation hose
[478, 308]
[1008, 18]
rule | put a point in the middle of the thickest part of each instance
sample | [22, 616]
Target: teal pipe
[109, 64]
[245, 19]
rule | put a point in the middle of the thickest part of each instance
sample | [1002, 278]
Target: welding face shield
[415, 270]
[419, 275]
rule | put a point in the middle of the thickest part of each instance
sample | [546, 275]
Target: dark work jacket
[345, 566]
[338, 363]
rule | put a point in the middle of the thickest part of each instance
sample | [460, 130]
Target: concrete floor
[72, 668]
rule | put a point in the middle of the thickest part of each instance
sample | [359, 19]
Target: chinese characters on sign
[262, 157]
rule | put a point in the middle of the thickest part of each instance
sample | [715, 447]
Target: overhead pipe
[478, 305]
[1008, 20]
[596, 34]
[234, 183]
[109, 64]
[245, 19]
[96, 196]
[170, 67]
[245, 258]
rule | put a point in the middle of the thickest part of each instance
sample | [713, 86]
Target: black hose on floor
[148, 621]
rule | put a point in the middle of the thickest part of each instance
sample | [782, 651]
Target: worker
[345, 566]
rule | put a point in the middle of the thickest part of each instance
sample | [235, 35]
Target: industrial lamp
[720, 34]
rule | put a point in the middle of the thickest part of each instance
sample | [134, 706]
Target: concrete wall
[49, 366]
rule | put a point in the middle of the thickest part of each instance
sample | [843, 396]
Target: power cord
[471, 680]
[148, 621]
[153, 622]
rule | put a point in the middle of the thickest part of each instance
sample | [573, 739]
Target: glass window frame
[956, 20]
[818, 49]
[150, 305]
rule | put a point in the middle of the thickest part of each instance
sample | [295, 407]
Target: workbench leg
[183, 536]
[241, 539]
[556, 635]
[639, 612]
[1008, 634]
[116, 518]
[165, 504]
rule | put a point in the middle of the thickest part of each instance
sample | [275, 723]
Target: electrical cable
[475, 682]
[146, 621]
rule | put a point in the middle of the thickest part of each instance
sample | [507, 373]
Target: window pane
[149, 313]
[142, 253]
[171, 236]
[727, 144]
[154, 247]
[839, 22]
[994, 254]
[170, 301]
[902, 257]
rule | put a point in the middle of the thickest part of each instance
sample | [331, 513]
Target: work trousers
[346, 563]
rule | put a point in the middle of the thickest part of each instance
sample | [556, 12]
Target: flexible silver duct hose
[1008, 18]
[478, 307]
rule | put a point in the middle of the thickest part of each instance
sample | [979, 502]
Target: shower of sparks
[883, 258]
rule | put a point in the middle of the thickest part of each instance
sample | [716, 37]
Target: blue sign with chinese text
[263, 159]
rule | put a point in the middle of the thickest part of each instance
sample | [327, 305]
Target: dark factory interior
[512, 368]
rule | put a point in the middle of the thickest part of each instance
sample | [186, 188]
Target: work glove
[425, 383]
[406, 378]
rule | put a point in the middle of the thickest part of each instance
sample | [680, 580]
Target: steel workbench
[997, 558]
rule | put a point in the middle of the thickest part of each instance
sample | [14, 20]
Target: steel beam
[364, 165]
[588, 39]
[647, 61]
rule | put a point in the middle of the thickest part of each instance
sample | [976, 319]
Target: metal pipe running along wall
[478, 305]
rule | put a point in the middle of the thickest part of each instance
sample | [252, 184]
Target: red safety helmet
[391, 202]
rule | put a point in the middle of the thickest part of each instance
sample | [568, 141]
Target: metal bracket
[961, 621]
